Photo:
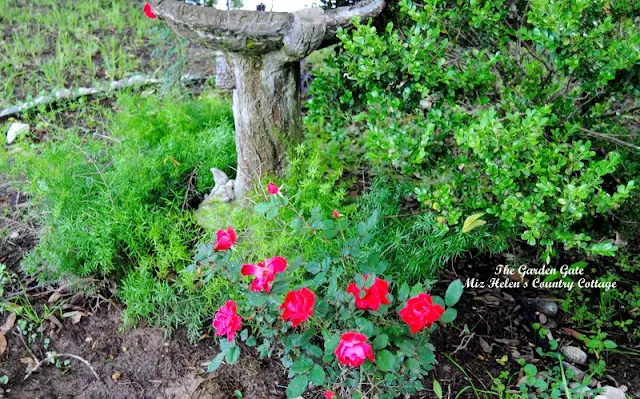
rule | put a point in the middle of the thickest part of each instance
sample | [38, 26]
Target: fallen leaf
[77, 299]
[473, 222]
[116, 376]
[29, 361]
[3, 344]
[505, 341]
[484, 345]
[8, 324]
[503, 360]
[76, 319]
[75, 316]
[489, 300]
[571, 332]
[54, 297]
[54, 320]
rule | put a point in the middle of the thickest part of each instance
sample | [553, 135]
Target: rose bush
[338, 324]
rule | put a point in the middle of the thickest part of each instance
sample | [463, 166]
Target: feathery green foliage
[108, 205]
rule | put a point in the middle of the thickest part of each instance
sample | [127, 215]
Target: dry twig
[52, 356]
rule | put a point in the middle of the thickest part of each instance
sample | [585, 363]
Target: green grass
[50, 44]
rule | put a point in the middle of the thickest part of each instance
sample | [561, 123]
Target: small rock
[549, 308]
[14, 235]
[116, 376]
[88, 339]
[15, 129]
[574, 354]
[551, 325]
[425, 104]
[543, 318]
[610, 392]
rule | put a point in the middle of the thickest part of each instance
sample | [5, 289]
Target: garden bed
[144, 329]
[144, 362]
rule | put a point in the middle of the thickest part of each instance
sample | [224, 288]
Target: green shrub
[107, 206]
[497, 107]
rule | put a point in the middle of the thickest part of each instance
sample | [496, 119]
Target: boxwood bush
[518, 111]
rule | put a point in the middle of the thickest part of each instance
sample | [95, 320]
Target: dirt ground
[137, 363]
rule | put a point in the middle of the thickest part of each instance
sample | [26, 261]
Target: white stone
[14, 235]
[574, 354]
[16, 129]
[610, 392]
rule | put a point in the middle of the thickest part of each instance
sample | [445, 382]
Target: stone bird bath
[263, 52]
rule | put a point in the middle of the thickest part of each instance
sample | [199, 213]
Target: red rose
[226, 321]
[272, 189]
[353, 349]
[420, 312]
[148, 11]
[265, 273]
[298, 306]
[329, 395]
[225, 239]
[373, 297]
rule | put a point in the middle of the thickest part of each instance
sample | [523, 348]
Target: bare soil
[136, 363]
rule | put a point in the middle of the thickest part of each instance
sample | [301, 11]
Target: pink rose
[226, 321]
[272, 189]
[265, 273]
[298, 306]
[329, 395]
[225, 239]
[148, 11]
[353, 349]
[336, 214]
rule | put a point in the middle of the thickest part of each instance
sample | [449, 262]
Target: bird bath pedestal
[263, 52]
